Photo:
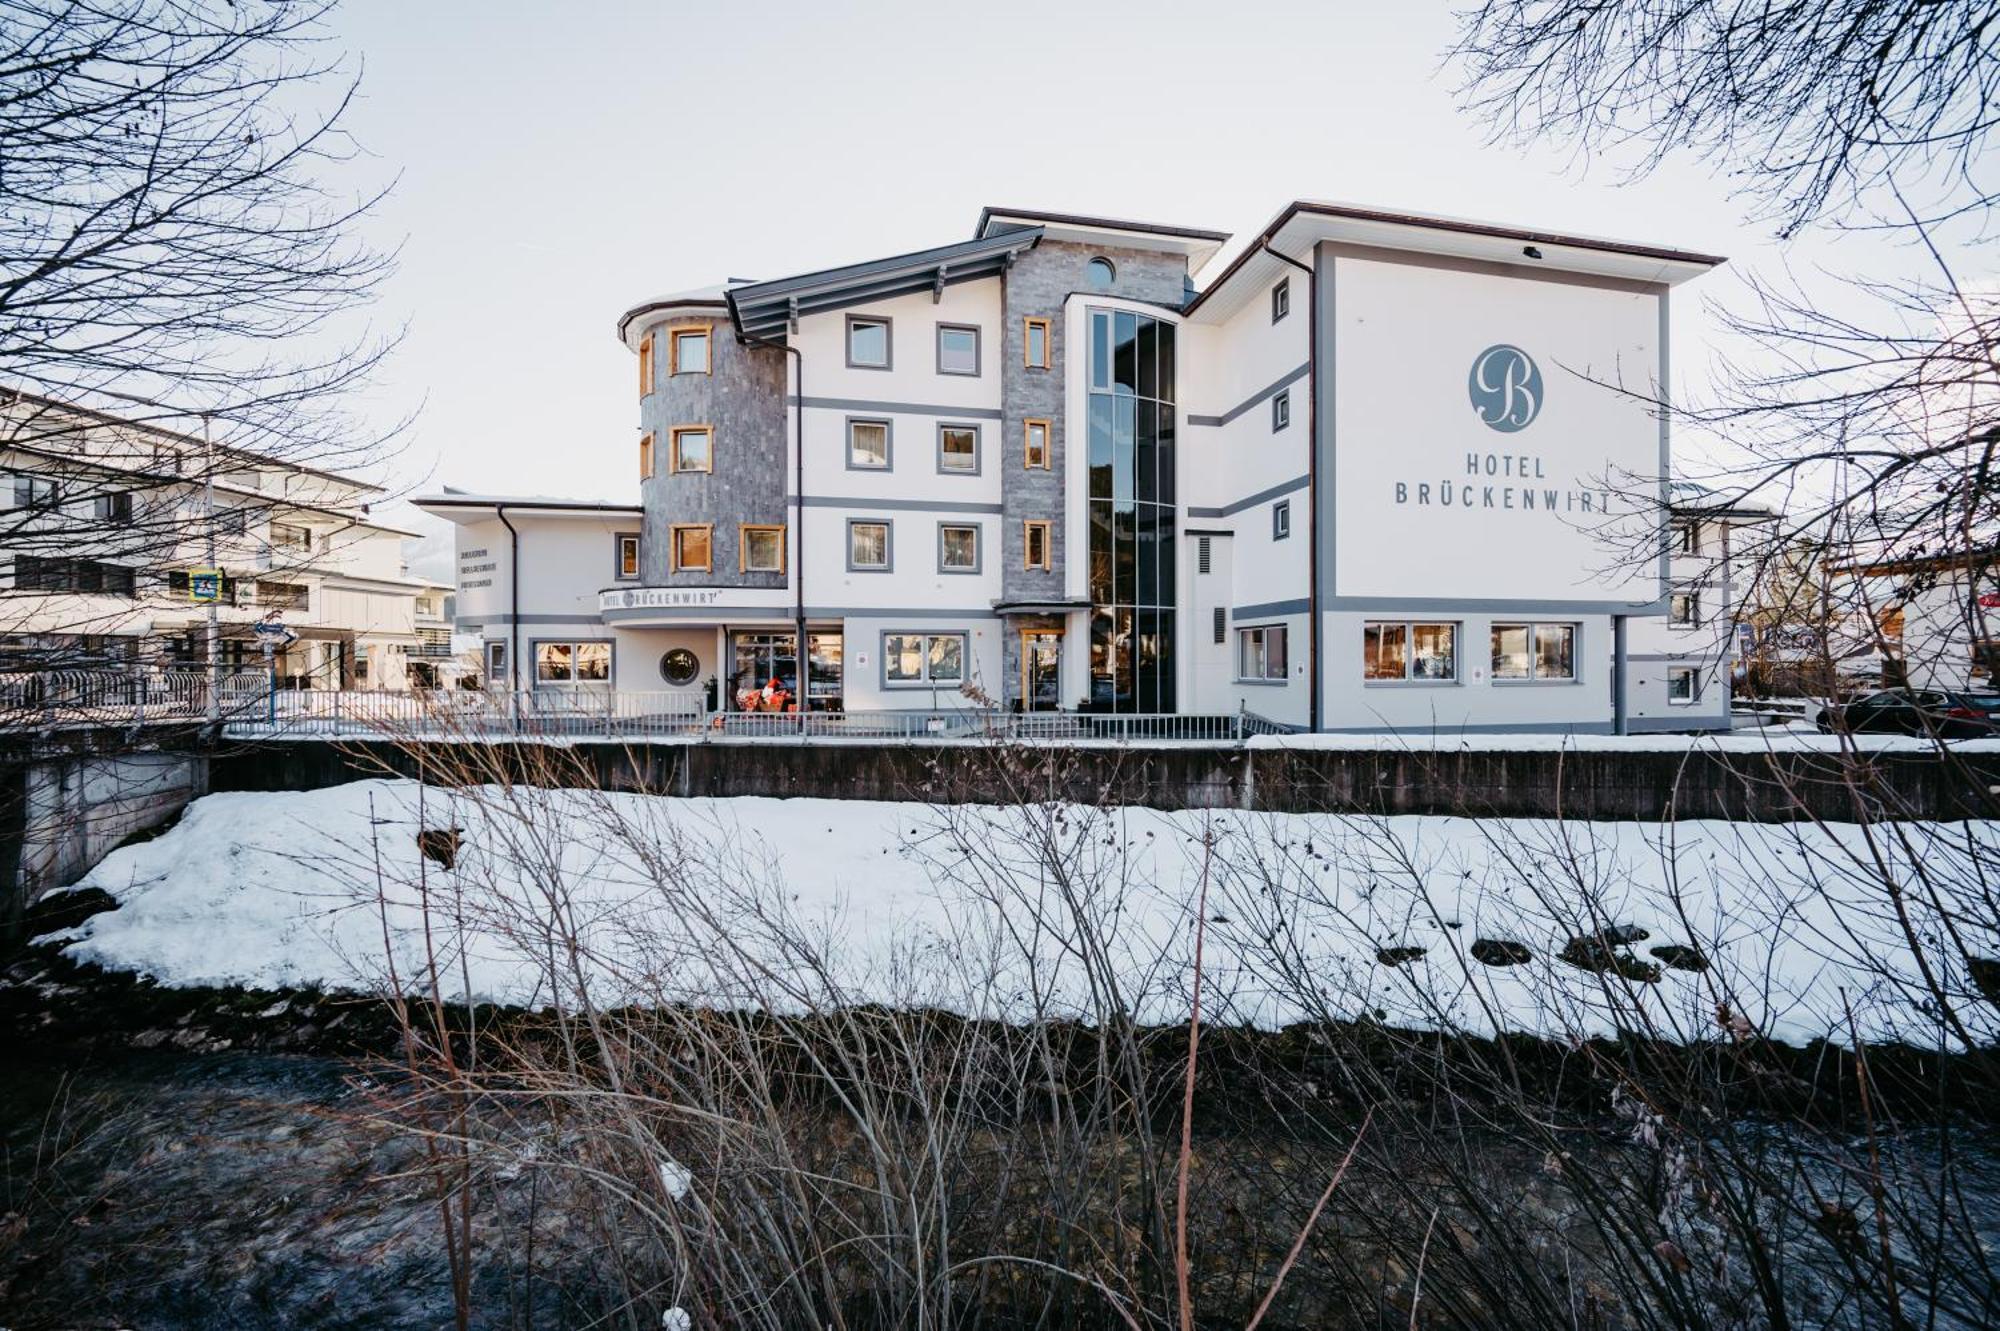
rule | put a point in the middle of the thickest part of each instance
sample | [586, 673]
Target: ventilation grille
[1221, 624]
[1201, 552]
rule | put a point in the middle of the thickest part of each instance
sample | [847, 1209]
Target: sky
[555, 164]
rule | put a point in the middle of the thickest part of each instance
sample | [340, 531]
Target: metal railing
[58, 699]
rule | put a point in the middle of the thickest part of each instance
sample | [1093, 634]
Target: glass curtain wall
[1131, 516]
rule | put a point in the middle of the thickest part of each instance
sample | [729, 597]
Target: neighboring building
[1383, 471]
[1931, 623]
[104, 539]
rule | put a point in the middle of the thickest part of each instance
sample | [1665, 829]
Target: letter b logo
[1505, 387]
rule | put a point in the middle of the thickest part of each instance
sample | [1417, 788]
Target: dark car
[1953, 714]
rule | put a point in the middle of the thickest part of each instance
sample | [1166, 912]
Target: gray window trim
[978, 349]
[1281, 410]
[1281, 520]
[888, 545]
[618, 539]
[1281, 298]
[1691, 590]
[964, 658]
[1694, 690]
[888, 341]
[978, 448]
[978, 530]
[533, 666]
[888, 442]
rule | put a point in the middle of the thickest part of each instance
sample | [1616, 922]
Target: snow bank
[791, 903]
[1772, 739]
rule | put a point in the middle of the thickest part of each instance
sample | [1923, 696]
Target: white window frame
[1409, 629]
[1261, 636]
[1534, 675]
[573, 682]
[927, 681]
[1692, 595]
[1692, 674]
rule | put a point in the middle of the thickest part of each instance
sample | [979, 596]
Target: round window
[680, 666]
[1100, 274]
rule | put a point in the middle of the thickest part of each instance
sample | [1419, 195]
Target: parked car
[1951, 713]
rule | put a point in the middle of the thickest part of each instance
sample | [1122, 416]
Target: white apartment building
[1378, 471]
[105, 532]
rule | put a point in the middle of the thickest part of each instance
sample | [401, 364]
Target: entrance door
[823, 670]
[1041, 670]
[763, 666]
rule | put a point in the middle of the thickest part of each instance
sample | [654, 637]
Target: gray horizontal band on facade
[899, 505]
[1253, 400]
[490, 621]
[785, 614]
[1416, 737]
[1442, 605]
[1265, 609]
[1278, 491]
[898, 408]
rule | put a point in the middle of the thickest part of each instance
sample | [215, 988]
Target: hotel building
[1377, 471]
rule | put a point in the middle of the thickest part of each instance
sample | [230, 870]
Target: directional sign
[205, 584]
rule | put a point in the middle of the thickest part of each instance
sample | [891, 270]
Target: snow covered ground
[1058, 909]
[1766, 739]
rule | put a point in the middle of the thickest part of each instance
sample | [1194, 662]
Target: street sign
[205, 584]
[274, 634]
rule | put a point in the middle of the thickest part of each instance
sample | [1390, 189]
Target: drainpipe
[1315, 665]
[798, 520]
[513, 615]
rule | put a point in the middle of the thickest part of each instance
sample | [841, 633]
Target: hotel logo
[1505, 387]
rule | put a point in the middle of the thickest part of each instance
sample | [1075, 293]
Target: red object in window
[1989, 600]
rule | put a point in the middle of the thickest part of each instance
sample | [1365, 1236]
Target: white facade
[1381, 472]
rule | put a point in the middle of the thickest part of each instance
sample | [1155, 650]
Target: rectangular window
[114, 508]
[1534, 652]
[35, 573]
[868, 546]
[645, 457]
[1036, 543]
[1281, 410]
[687, 350]
[496, 664]
[646, 365]
[1684, 609]
[232, 521]
[958, 547]
[36, 492]
[1281, 519]
[923, 658]
[571, 662]
[1260, 652]
[289, 536]
[628, 555]
[1035, 348]
[868, 445]
[693, 449]
[957, 349]
[1687, 537]
[762, 549]
[1425, 652]
[1683, 685]
[692, 548]
[281, 596]
[958, 449]
[1281, 300]
[867, 343]
[1035, 442]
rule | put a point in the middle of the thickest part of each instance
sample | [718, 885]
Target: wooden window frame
[743, 531]
[1028, 444]
[674, 336]
[646, 365]
[674, 467]
[618, 573]
[674, 546]
[646, 456]
[1047, 562]
[1048, 344]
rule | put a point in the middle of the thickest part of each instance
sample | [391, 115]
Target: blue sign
[1506, 388]
[205, 584]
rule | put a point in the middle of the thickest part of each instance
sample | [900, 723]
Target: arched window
[1099, 274]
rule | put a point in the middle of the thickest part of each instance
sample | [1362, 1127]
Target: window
[958, 547]
[1687, 537]
[761, 549]
[178, 583]
[923, 658]
[496, 663]
[36, 492]
[645, 456]
[867, 445]
[1534, 651]
[1035, 444]
[1683, 685]
[958, 449]
[232, 521]
[1204, 557]
[868, 547]
[1260, 653]
[1221, 625]
[1098, 274]
[113, 507]
[572, 662]
[289, 536]
[693, 449]
[1281, 520]
[1035, 348]
[628, 556]
[1684, 609]
[691, 546]
[867, 343]
[1037, 540]
[36, 573]
[645, 365]
[282, 595]
[1281, 300]
[1281, 410]
[957, 349]
[687, 350]
[1427, 652]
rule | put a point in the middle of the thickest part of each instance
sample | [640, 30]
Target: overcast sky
[558, 163]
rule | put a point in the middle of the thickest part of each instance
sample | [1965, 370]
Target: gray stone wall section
[1037, 287]
[743, 400]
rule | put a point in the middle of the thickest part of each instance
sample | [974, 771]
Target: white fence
[72, 699]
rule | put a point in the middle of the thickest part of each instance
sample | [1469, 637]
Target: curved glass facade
[1131, 512]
